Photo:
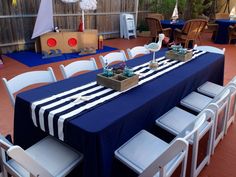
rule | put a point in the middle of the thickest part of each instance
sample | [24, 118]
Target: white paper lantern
[69, 1]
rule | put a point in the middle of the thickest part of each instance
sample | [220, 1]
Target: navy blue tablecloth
[99, 132]
[168, 24]
[223, 34]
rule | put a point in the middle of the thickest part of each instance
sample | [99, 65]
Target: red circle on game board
[72, 42]
[51, 42]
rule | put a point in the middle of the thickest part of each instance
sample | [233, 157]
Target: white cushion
[141, 150]
[210, 89]
[54, 156]
[195, 101]
[175, 120]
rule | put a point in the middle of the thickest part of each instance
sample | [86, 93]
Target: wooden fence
[17, 23]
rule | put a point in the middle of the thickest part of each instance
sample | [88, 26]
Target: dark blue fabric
[222, 36]
[99, 132]
[31, 59]
[167, 24]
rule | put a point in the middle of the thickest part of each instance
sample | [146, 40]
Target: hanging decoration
[87, 5]
[175, 14]
[69, 1]
[14, 3]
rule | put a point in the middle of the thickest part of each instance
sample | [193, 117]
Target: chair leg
[229, 40]
[186, 44]
[199, 39]
[184, 164]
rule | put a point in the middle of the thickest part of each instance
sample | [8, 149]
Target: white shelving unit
[127, 26]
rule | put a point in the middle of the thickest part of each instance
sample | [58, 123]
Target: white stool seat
[195, 101]
[175, 120]
[210, 89]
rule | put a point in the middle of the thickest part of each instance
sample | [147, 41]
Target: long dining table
[98, 131]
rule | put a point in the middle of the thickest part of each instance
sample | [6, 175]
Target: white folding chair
[47, 158]
[144, 150]
[210, 49]
[139, 50]
[212, 90]
[78, 66]
[176, 120]
[176, 150]
[113, 57]
[219, 104]
[26, 79]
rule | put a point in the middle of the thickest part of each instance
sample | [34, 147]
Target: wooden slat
[17, 23]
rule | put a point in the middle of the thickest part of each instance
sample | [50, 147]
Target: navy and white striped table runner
[50, 114]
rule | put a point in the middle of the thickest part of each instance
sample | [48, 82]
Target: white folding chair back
[231, 106]
[113, 57]
[210, 49]
[139, 50]
[78, 66]
[193, 133]
[220, 106]
[144, 144]
[212, 90]
[4, 145]
[179, 122]
[26, 79]
[27, 162]
[193, 127]
[47, 158]
[233, 80]
[178, 148]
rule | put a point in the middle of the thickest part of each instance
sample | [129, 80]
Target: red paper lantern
[51, 42]
[72, 42]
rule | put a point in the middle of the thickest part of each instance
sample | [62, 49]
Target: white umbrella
[87, 5]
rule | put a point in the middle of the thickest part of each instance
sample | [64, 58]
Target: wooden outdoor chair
[222, 16]
[190, 32]
[155, 28]
[232, 32]
[156, 15]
